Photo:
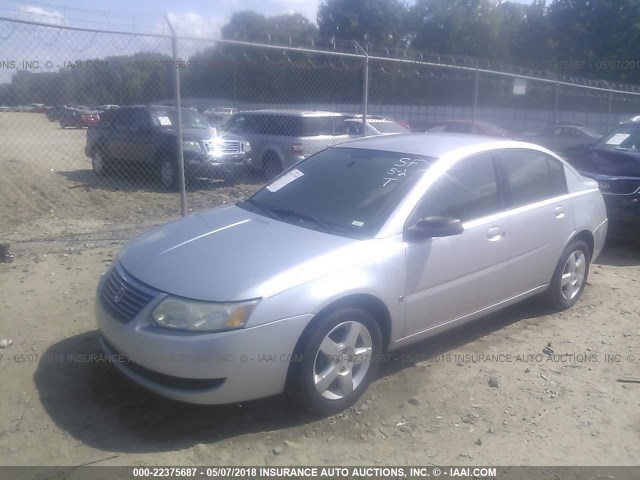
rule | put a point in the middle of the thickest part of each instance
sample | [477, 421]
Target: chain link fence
[94, 148]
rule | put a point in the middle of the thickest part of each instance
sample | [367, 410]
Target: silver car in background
[358, 250]
[281, 138]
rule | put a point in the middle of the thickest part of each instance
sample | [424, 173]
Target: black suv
[614, 162]
[147, 136]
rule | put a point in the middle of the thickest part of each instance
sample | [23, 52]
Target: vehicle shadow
[620, 252]
[146, 181]
[527, 311]
[96, 404]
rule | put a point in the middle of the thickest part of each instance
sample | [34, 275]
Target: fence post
[555, 115]
[475, 100]
[181, 182]
[609, 109]
[365, 89]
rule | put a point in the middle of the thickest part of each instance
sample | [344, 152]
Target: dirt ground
[487, 393]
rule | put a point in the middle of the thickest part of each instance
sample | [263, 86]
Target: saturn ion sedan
[358, 250]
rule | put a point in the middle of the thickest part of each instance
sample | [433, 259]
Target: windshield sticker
[618, 138]
[357, 223]
[400, 169]
[164, 121]
[285, 180]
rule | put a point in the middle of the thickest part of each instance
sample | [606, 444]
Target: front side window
[343, 191]
[532, 176]
[467, 191]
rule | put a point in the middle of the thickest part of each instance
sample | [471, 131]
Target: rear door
[118, 131]
[141, 146]
[541, 216]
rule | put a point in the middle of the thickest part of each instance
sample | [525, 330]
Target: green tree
[380, 22]
[250, 26]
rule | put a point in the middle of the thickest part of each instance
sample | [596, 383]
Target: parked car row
[271, 141]
[267, 141]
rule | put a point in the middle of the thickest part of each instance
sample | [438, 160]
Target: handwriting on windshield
[400, 169]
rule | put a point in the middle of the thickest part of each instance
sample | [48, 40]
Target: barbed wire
[408, 60]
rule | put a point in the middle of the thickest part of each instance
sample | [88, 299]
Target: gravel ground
[486, 393]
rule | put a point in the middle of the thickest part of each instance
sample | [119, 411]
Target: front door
[451, 277]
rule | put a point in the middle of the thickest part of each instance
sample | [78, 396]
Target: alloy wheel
[573, 274]
[342, 360]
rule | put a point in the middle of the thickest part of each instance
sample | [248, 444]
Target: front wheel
[168, 174]
[570, 276]
[338, 361]
[271, 166]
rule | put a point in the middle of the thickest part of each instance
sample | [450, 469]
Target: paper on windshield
[618, 138]
[164, 121]
[285, 180]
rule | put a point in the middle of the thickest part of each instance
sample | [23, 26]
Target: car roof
[430, 144]
[369, 120]
[299, 113]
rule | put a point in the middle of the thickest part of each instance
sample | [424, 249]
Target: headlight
[191, 146]
[183, 314]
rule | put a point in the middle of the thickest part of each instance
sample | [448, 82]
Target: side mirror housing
[431, 227]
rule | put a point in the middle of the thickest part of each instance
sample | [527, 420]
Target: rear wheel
[100, 164]
[338, 361]
[570, 276]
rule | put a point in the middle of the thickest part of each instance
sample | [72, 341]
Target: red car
[78, 118]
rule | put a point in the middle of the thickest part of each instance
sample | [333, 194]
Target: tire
[271, 166]
[101, 165]
[569, 277]
[343, 346]
[168, 174]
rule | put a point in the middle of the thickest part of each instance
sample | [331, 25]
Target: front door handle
[494, 234]
[559, 210]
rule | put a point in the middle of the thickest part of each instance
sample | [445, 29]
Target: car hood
[230, 254]
[604, 162]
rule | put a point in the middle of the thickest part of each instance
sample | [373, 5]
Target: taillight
[297, 148]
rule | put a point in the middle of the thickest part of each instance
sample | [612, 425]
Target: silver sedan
[358, 250]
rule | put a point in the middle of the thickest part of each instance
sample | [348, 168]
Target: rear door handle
[559, 212]
[494, 234]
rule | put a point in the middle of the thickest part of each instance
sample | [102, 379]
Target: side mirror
[431, 227]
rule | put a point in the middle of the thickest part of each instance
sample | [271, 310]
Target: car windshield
[624, 138]
[389, 127]
[344, 191]
[166, 118]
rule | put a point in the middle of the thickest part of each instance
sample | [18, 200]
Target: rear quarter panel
[590, 212]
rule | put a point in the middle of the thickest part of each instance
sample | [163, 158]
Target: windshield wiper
[287, 212]
[253, 205]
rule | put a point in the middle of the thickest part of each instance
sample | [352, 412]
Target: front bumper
[206, 165]
[624, 208]
[204, 368]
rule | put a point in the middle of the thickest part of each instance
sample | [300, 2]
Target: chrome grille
[232, 147]
[123, 296]
[228, 147]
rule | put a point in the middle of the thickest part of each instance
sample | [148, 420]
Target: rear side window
[531, 176]
[467, 191]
